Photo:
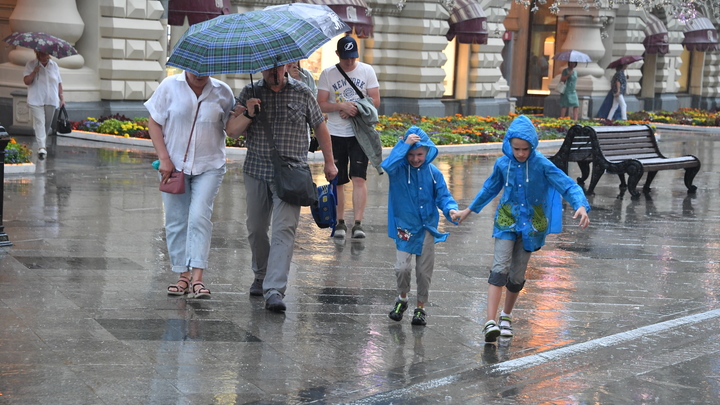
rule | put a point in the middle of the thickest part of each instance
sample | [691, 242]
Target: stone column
[584, 35]
[488, 89]
[61, 19]
[406, 51]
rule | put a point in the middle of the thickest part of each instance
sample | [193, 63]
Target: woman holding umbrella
[618, 84]
[569, 99]
[45, 95]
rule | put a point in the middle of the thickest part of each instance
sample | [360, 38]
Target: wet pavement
[625, 311]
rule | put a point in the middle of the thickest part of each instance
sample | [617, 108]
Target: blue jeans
[188, 225]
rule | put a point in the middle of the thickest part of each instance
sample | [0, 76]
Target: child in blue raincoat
[528, 210]
[417, 191]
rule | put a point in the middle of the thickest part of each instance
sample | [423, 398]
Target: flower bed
[683, 116]
[16, 153]
[452, 130]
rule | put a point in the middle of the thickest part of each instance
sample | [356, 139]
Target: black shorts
[347, 150]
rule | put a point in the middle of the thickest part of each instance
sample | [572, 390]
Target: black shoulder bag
[292, 178]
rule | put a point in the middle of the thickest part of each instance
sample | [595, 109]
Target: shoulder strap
[349, 81]
[191, 134]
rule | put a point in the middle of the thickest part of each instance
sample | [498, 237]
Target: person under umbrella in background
[286, 107]
[618, 85]
[45, 95]
[569, 99]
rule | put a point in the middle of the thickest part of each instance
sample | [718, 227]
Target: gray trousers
[424, 265]
[271, 225]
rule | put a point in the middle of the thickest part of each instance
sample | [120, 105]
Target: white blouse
[174, 106]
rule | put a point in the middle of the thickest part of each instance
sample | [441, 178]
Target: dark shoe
[275, 303]
[491, 331]
[397, 313]
[357, 231]
[419, 317]
[340, 229]
[256, 289]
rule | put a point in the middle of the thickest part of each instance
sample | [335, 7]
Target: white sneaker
[506, 326]
[42, 153]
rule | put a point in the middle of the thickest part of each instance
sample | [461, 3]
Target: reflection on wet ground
[625, 311]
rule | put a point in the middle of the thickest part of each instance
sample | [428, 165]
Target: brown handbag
[175, 184]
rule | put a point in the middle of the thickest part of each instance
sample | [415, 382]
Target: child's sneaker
[397, 313]
[357, 231]
[491, 331]
[506, 326]
[419, 317]
[340, 229]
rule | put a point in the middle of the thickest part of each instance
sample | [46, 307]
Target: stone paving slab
[86, 320]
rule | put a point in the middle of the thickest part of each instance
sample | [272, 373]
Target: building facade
[432, 57]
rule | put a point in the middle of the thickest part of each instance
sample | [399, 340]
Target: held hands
[459, 216]
[584, 218]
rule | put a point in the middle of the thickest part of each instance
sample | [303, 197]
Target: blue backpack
[324, 211]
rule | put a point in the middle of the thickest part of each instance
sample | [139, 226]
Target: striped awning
[700, 35]
[196, 11]
[354, 13]
[656, 36]
[468, 23]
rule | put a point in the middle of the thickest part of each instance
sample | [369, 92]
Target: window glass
[684, 68]
[541, 48]
[451, 52]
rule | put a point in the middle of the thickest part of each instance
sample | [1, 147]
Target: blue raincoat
[415, 196]
[530, 204]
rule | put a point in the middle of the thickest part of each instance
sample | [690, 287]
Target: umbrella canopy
[42, 42]
[319, 15]
[625, 60]
[572, 56]
[245, 43]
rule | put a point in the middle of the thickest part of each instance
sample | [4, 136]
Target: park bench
[621, 150]
[577, 147]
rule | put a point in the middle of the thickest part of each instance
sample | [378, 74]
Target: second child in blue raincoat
[417, 191]
[529, 209]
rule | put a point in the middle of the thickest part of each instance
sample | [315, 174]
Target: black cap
[347, 48]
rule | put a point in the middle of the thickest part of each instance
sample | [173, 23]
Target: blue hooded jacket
[415, 195]
[530, 204]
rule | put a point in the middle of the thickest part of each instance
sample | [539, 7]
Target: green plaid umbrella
[245, 43]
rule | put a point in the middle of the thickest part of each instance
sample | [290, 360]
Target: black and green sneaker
[397, 313]
[419, 317]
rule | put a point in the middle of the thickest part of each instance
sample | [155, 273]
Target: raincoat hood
[522, 128]
[424, 141]
[415, 195]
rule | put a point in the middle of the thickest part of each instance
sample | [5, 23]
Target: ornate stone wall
[131, 45]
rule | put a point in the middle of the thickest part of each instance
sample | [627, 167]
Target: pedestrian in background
[618, 86]
[528, 210]
[337, 97]
[569, 99]
[417, 191]
[45, 95]
[286, 107]
[188, 114]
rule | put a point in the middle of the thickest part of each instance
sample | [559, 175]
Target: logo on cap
[349, 46]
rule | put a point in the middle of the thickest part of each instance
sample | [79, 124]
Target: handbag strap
[337, 65]
[192, 129]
